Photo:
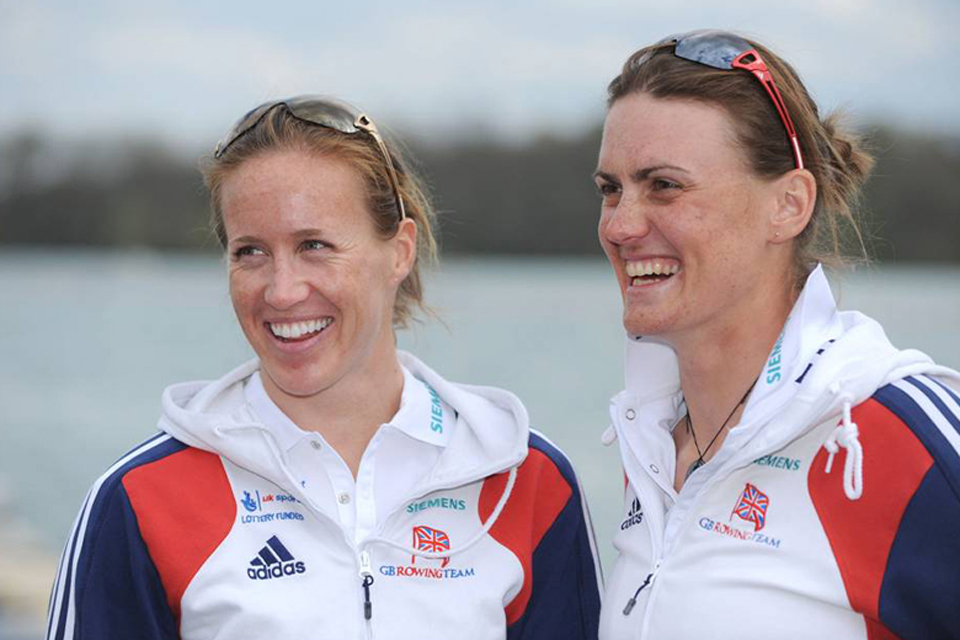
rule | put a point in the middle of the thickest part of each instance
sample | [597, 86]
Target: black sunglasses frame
[325, 112]
[727, 51]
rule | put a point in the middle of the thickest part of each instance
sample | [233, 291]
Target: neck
[348, 413]
[718, 364]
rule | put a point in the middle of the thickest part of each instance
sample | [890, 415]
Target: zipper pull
[632, 602]
[366, 572]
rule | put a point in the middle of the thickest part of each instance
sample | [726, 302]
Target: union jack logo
[430, 540]
[752, 507]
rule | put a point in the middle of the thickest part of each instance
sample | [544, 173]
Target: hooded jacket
[832, 510]
[204, 532]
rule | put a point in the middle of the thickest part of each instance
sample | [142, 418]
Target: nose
[287, 286]
[627, 221]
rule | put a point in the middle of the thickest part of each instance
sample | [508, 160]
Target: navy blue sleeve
[107, 586]
[565, 596]
[920, 590]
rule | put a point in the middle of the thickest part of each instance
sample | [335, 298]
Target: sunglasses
[322, 112]
[723, 50]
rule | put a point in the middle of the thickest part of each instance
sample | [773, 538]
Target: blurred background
[112, 287]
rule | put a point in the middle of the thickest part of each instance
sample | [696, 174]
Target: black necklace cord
[700, 461]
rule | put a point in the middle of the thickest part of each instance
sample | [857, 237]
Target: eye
[664, 184]
[312, 245]
[607, 189]
[247, 250]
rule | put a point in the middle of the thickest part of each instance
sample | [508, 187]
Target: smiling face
[312, 283]
[684, 222]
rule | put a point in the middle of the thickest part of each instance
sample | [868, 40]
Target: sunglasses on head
[322, 112]
[723, 50]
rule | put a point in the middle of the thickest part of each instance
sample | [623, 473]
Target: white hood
[490, 435]
[824, 362]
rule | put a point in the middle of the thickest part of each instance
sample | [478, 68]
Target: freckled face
[312, 283]
[683, 220]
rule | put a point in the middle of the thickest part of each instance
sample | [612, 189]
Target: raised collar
[422, 414]
[651, 370]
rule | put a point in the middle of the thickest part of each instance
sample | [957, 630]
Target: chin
[643, 323]
[300, 384]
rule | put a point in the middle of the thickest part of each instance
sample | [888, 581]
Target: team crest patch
[752, 507]
[430, 540]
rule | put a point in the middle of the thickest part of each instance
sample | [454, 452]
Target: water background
[88, 340]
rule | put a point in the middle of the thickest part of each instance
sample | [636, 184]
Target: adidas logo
[634, 516]
[274, 561]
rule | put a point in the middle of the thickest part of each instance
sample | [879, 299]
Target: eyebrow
[640, 174]
[297, 235]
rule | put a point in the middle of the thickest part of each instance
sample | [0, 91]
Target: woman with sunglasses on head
[334, 487]
[790, 474]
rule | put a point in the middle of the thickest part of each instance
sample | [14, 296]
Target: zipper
[366, 580]
[632, 602]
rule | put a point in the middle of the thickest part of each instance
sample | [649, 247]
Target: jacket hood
[490, 435]
[825, 360]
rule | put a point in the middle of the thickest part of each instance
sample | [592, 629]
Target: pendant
[696, 465]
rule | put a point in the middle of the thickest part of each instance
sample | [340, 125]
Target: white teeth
[296, 330]
[639, 269]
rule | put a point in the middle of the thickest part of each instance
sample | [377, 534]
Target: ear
[796, 197]
[405, 247]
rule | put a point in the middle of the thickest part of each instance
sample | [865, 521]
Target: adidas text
[276, 570]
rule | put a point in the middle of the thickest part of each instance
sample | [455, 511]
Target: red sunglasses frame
[758, 68]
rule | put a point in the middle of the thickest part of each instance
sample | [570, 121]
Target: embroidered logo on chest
[428, 540]
[779, 462]
[268, 507]
[452, 504]
[634, 516]
[274, 560]
[751, 506]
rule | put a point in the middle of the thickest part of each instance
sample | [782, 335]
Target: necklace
[699, 462]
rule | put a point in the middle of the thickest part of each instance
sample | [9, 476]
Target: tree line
[535, 198]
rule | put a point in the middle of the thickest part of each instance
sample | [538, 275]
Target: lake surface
[89, 340]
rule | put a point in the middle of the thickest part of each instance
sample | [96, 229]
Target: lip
[653, 285]
[296, 346]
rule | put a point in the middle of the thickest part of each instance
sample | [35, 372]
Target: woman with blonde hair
[333, 487]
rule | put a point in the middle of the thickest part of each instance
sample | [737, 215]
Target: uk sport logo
[249, 503]
[752, 507]
[430, 540]
[274, 561]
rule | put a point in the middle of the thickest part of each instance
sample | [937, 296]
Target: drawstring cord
[846, 435]
[366, 571]
[494, 515]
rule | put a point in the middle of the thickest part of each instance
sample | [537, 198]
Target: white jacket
[203, 532]
[831, 511]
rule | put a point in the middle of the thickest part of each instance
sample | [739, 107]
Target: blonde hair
[279, 130]
[834, 156]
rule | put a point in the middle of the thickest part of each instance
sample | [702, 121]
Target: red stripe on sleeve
[538, 497]
[861, 532]
[185, 509]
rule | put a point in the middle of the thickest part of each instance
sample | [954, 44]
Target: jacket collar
[652, 371]
[422, 415]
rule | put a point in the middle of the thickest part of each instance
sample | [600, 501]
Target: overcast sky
[186, 69]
